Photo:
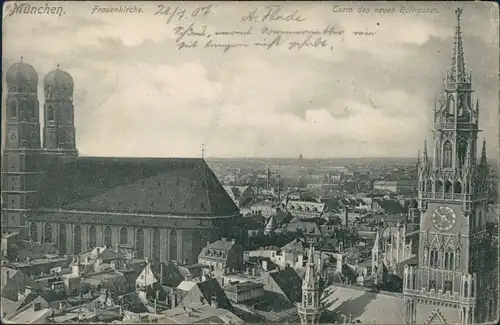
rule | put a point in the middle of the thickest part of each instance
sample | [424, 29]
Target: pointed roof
[483, 154]
[271, 224]
[458, 62]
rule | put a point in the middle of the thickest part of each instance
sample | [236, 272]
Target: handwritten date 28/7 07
[181, 13]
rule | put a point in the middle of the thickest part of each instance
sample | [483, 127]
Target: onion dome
[22, 77]
[58, 83]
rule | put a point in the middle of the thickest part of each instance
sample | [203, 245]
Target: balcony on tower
[454, 288]
[460, 80]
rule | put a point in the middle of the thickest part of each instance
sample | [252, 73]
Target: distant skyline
[137, 95]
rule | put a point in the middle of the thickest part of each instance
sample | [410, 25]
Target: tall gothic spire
[483, 154]
[310, 276]
[425, 158]
[458, 63]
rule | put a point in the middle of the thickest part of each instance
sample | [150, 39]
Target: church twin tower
[25, 151]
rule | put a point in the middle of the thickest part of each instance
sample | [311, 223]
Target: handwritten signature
[273, 13]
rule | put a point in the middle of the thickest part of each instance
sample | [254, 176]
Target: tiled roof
[211, 288]
[391, 206]
[380, 308]
[295, 246]
[22, 249]
[224, 245]
[289, 282]
[178, 186]
[172, 277]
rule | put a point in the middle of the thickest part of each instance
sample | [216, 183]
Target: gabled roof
[289, 282]
[295, 246]
[179, 186]
[211, 288]
[171, 276]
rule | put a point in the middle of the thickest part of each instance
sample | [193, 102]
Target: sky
[136, 94]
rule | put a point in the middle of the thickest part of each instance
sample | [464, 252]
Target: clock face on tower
[444, 218]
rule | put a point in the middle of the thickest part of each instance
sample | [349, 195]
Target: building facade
[453, 271]
[165, 208]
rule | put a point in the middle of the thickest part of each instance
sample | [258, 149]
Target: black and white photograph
[230, 162]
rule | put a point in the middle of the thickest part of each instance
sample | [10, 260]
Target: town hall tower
[453, 275]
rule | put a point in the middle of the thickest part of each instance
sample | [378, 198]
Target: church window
[466, 288]
[462, 152]
[108, 236]
[458, 188]
[12, 109]
[439, 187]
[50, 113]
[33, 232]
[457, 260]
[447, 154]
[434, 258]
[123, 235]
[429, 186]
[47, 233]
[446, 260]
[448, 286]
[452, 260]
[448, 187]
[432, 284]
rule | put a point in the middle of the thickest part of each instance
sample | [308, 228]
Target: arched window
[434, 258]
[33, 232]
[462, 152]
[446, 260]
[139, 242]
[452, 260]
[448, 187]
[466, 288]
[123, 236]
[439, 187]
[47, 233]
[92, 236]
[12, 109]
[108, 240]
[429, 186]
[458, 188]
[77, 240]
[62, 238]
[156, 246]
[50, 113]
[447, 154]
[172, 254]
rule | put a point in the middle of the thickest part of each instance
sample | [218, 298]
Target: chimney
[173, 299]
[37, 306]
[117, 249]
[161, 273]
